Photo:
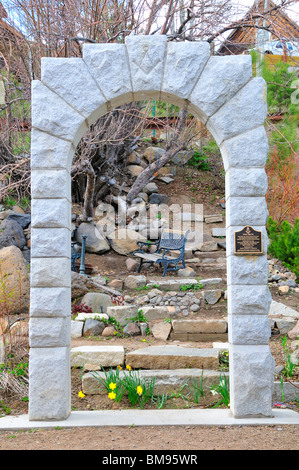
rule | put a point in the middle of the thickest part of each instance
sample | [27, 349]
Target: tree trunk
[89, 191]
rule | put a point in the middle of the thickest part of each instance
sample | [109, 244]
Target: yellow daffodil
[81, 394]
[111, 395]
[119, 367]
[128, 367]
[139, 390]
[112, 386]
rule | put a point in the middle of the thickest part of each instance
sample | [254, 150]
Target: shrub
[284, 243]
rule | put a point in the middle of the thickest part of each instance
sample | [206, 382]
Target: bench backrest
[173, 239]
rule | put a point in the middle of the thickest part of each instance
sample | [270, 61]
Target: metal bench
[169, 242]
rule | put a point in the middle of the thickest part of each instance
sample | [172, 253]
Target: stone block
[133, 282]
[50, 272]
[221, 79]
[97, 301]
[124, 240]
[248, 299]
[166, 381]
[48, 151]
[50, 302]
[95, 242]
[49, 384]
[14, 275]
[199, 326]
[50, 184]
[248, 329]
[246, 150]
[250, 270]
[146, 61]
[279, 310]
[52, 114]
[251, 380]
[285, 324]
[246, 211]
[198, 337]
[161, 330]
[122, 313]
[184, 63]
[212, 296]
[246, 182]
[50, 242]
[219, 232]
[49, 332]
[76, 329]
[155, 313]
[93, 327]
[173, 357]
[246, 110]
[50, 213]
[212, 218]
[71, 80]
[99, 356]
[108, 65]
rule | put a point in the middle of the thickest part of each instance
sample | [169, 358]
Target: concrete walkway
[200, 417]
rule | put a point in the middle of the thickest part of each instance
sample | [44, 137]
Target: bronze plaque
[248, 241]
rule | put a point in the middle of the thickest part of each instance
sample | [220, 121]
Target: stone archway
[71, 95]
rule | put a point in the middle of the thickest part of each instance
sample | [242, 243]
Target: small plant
[160, 400]
[5, 408]
[139, 318]
[112, 321]
[141, 288]
[80, 308]
[196, 389]
[289, 365]
[224, 360]
[222, 389]
[191, 287]
[139, 390]
[112, 383]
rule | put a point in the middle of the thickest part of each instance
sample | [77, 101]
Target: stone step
[175, 284]
[199, 330]
[96, 357]
[166, 380]
[173, 357]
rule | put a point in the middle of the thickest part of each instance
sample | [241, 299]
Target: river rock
[15, 273]
[131, 329]
[133, 282]
[93, 327]
[11, 233]
[95, 241]
[23, 219]
[161, 330]
[153, 153]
